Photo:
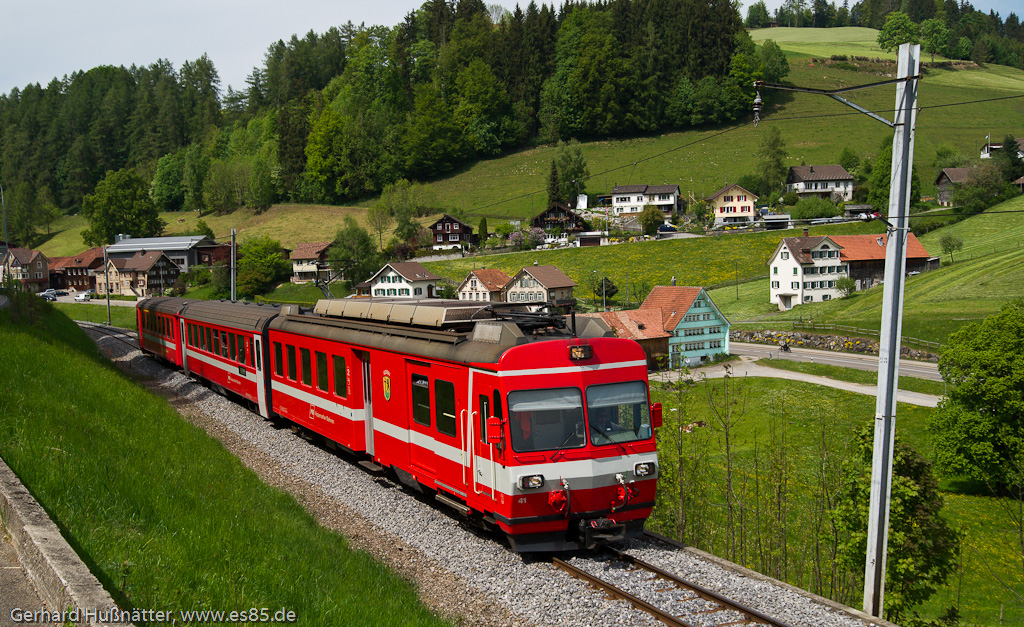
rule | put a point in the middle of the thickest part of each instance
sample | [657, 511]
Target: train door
[262, 381]
[183, 328]
[486, 402]
[421, 447]
[451, 431]
[364, 360]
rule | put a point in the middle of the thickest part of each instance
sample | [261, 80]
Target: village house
[485, 284]
[806, 269]
[306, 260]
[144, 274]
[831, 182]
[80, 270]
[697, 329]
[449, 232]
[561, 218]
[631, 199]
[185, 251]
[945, 182]
[732, 205]
[30, 268]
[540, 284]
[644, 326]
[989, 148]
[400, 279]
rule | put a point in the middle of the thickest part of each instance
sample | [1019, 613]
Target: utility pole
[7, 242]
[897, 231]
[232, 264]
[106, 282]
[892, 326]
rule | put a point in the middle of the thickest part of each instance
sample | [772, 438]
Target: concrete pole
[232, 264]
[106, 281]
[891, 328]
[7, 242]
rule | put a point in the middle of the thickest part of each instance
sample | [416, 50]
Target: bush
[811, 208]
[790, 198]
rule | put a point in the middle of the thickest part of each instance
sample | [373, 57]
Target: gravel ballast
[464, 575]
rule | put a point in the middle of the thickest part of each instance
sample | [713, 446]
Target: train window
[224, 344]
[241, 349]
[421, 400]
[618, 412]
[209, 340]
[497, 404]
[546, 420]
[321, 370]
[307, 370]
[340, 377]
[291, 362]
[278, 361]
[202, 338]
[215, 347]
[232, 351]
[444, 406]
[160, 325]
[257, 354]
[194, 339]
[485, 412]
[248, 350]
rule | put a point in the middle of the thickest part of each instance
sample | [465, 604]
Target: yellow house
[732, 205]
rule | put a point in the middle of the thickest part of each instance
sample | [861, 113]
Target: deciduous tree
[898, 29]
[120, 204]
[261, 264]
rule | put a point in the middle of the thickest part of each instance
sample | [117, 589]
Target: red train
[516, 421]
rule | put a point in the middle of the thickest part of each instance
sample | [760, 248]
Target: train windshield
[546, 420]
[618, 412]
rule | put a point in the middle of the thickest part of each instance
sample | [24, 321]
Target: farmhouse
[643, 326]
[539, 284]
[945, 182]
[831, 182]
[697, 329]
[449, 232]
[562, 218]
[80, 270]
[485, 284]
[989, 148]
[732, 205]
[806, 269]
[185, 250]
[406, 279]
[144, 274]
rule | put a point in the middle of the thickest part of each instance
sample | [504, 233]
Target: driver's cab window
[546, 420]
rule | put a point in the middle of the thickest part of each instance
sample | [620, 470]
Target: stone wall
[838, 343]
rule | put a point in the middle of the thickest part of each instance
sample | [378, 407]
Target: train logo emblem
[387, 385]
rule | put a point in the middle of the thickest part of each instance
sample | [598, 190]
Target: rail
[750, 616]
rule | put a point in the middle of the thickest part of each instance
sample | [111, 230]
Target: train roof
[442, 329]
[164, 304]
[239, 315]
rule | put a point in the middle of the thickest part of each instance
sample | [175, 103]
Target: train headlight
[531, 482]
[643, 469]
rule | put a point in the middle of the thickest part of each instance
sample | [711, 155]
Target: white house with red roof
[697, 329]
[31, 268]
[732, 205]
[806, 269]
[831, 182]
[540, 284]
[144, 274]
[631, 199]
[401, 279]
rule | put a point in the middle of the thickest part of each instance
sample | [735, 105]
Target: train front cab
[575, 461]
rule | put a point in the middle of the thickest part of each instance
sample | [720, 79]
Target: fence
[814, 326]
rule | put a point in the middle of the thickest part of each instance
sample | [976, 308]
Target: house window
[795, 271]
[808, 299]
[454, 237]
[775, 285]
[785, 254]
[440, 238]
[418, 291]
[775, 269]
[794, 285]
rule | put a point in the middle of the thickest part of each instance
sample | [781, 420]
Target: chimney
[673, 281]
[805, 233]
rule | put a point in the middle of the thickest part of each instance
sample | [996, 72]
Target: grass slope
[989, 536]
[162, 513]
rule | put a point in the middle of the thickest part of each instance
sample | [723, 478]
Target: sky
[44, 39]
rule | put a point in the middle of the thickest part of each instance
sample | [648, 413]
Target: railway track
[117, 333]
[669, 598]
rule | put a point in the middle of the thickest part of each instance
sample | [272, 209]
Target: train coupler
[600, 531]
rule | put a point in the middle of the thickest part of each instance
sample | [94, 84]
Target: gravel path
[467, 576]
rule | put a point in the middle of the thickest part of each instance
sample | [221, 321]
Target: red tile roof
[672, 301]
[310, 250]
[867, 248]
[727, 188]
[635, 324]
[493, 279]
[86, 258]
[549, 276]
[412, 271]
[955, 175]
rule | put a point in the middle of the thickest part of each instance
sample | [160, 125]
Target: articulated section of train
[519, 420]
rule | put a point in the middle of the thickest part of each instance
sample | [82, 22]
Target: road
[908, 367]
[96, 300]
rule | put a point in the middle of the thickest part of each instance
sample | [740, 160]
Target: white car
[83, 297]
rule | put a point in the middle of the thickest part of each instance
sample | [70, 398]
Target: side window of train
[291, 361]
[259, 366]
[485, 412]
[444, 406]
[278, 360]
[497, 404]
[232, 351]
[307, 370]
[321, 371]
[340, 377]
[209, 340]
[223, 343]
[241, 349]
[421, 400]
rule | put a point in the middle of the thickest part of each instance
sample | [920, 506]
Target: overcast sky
[43, 39]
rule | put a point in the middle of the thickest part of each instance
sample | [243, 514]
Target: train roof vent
[434, 313]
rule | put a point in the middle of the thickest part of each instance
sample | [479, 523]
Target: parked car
[82, 297]
[60, 293]
[49, 291]
[47, 296]
[667, 228]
